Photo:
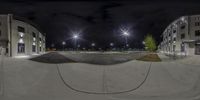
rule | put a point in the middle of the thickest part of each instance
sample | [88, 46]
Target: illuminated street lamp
[93, 45]
[125, 31]
[126, 35]
[75, 37]
[111, 45]
[143, 42]
[127, 45]
[63, 43]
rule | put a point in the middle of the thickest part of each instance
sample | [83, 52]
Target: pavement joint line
[105, 88]
[103, 93]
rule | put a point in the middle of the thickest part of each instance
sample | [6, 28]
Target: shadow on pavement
[53, 58]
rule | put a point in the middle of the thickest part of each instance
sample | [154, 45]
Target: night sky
[99, 21]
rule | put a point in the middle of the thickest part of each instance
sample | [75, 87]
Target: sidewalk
[191, 60]
[165, 58]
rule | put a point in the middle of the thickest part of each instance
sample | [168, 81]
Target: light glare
[75, 36]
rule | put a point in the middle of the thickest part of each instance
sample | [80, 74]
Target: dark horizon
[99, 22]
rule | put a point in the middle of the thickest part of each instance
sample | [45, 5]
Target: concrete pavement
[98, 79]
[29, 80]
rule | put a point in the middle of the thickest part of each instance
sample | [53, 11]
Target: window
[40, 40]
[197, 23]
[182, 47]
[21, 47]
[182, 26]
[182, 36]
[34, 35]
[174, 47]
[33, 48]
[197, 33]
[0, 32]
[174, 39]
[40, 49]
[174, 31]
[20, 29]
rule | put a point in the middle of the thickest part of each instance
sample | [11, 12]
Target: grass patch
[151, 58]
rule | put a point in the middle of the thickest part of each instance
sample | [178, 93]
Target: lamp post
[126, 35]
[143, 42]
[63, 43]
[93, 45]
[75, 37]
[111, 45]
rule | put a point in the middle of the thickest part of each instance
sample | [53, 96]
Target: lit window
[21, 47]
[33, 48]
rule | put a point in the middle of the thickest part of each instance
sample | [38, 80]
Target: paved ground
[111, 79]
[102, 58]
[28, 80]
[52, 57]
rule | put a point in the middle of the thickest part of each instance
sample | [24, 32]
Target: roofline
[19, 18]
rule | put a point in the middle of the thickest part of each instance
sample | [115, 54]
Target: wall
[4, 30]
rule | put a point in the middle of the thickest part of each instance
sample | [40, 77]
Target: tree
[150, 43]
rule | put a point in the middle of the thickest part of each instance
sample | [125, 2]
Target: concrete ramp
[101, 79]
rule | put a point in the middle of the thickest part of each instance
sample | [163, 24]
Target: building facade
[182, 36]
[19, 37]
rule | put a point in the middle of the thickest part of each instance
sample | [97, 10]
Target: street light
[63, 43]
[126, 35]
[111, 44]
[127, 45]
[125, 32]
[93, 45]
[75, 37]
[143, 42]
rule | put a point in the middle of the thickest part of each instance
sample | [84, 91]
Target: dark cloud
[101, 20]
